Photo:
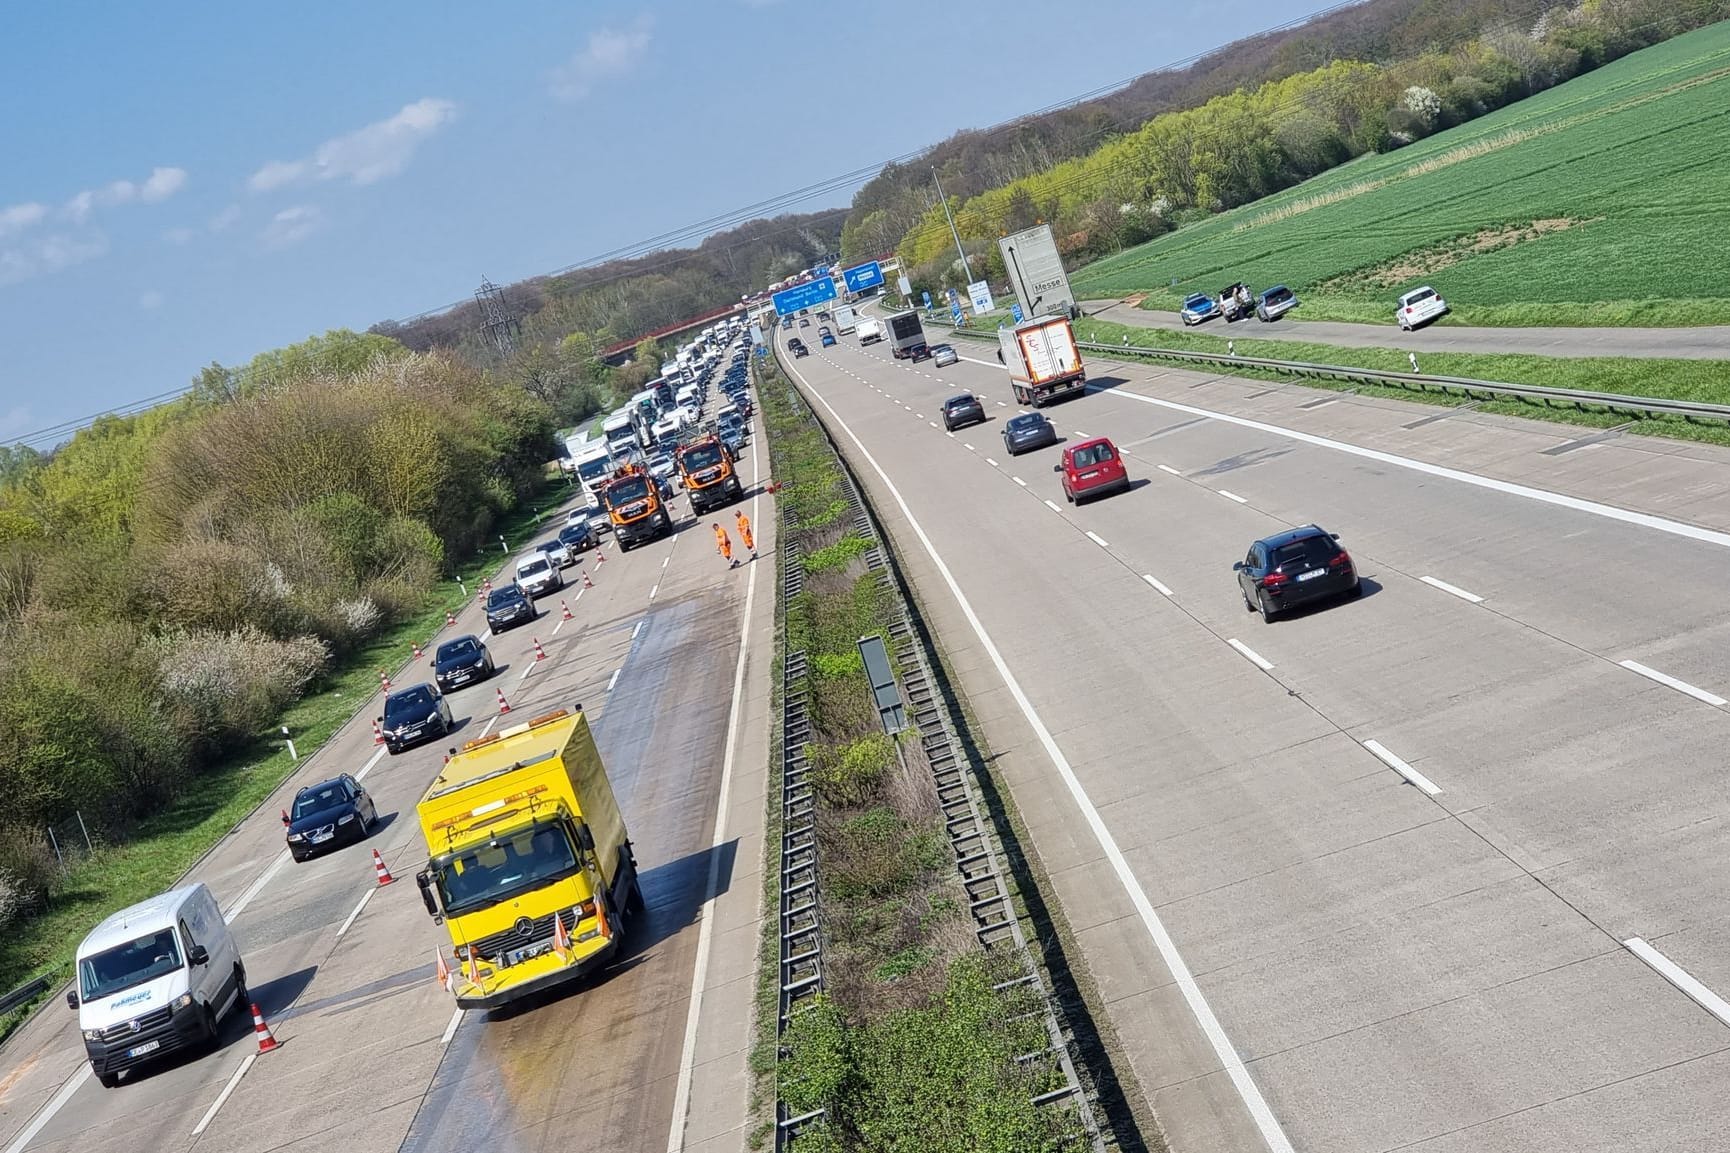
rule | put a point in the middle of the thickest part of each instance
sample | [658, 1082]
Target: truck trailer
[906, 336]
[530, 867]
[1043, 361]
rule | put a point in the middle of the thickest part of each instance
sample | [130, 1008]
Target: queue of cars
[1236, 302]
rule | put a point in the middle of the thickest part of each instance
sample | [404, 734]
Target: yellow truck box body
[505, 823]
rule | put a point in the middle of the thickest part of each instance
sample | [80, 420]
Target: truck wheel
[108, 1080]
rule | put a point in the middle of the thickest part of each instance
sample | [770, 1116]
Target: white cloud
[610, 53]
[225, 219]
[18, 217]
[366, 155]
[161, 184]
[150, 300]
[48, 254]
[291, 226]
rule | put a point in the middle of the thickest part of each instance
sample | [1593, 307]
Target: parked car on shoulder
[1235, 302]
[1275, 303]
[962, 410]
[461, 661]
[1027, 431]
[1198, 308]
[1419, 307]
[412, 715]
[1091, 468]
[1294, 567]
[327, 816]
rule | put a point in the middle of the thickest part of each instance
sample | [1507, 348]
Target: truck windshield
[504, 867]
[702, 457]
[139, 960]
[627, 491]
[593, 469]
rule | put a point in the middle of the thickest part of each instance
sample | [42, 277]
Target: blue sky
[202, 181]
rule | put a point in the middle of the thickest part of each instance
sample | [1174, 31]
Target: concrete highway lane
[1706, 342]
[374, 1055]
[1398, 855]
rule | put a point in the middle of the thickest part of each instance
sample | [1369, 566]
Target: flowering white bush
[1423, 103]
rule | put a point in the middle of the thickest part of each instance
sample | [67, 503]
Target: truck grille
[521, 935]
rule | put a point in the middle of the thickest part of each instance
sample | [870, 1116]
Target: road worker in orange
[724, 546]
[745, 533]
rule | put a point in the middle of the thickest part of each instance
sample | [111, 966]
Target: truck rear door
[1037, 354]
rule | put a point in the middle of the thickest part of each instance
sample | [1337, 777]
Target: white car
[667, 427]
[1419, 306]
[662, 469]
[688, 416]
[538, 575]
[558, 552]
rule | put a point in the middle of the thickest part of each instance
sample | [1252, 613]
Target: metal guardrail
[24, 993]
[1642, 407]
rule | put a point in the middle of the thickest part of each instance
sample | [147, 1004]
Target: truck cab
[635, 508]
[706, 468]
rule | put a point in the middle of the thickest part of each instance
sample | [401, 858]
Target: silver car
[942, 354]
[1275, 303]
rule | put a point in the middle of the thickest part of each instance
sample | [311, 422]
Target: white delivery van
[156, 979]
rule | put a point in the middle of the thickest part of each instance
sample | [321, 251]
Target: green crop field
[1602, 201]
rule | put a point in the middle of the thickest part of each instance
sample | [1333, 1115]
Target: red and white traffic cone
[266, 1039]
[587, 583]
[442, 970]
[450, 619]
[384, 680]
[377, 732]
[417, 653]
[378, 867]
[569, 616]
[540, 653]
[600, 555]
[504, 705]
[486, 584]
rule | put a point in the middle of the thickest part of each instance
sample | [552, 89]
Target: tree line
[171, 580]
[1378, 76]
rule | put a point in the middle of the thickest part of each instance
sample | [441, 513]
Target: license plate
[518, 956]
[459, 678]
[1088, 475]
[320, 838]
[147, 1047]
[1312, 574]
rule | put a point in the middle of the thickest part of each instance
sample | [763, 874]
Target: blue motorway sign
[807, 295]
[955, 311]
[1015, 311]
[861, 277]
[927, 297]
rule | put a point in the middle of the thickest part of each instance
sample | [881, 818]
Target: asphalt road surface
[374, 1055]
[1710, 342]
[1429, 869]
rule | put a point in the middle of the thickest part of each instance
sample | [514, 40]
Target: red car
[1091, 468]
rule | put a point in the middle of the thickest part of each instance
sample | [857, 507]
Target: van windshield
[509, 864]
[144, 959]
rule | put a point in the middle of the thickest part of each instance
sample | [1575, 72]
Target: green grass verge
[1591, 203]
[1707, 381]
[167, 844]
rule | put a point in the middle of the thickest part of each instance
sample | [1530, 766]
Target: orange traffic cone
[540, 653]
[377, 732]
[417, 653]
[587, 583]
[561, 939]
[443, 970]
[450, 619]
[569, 616]
[266, 1039]
[601, 914]
[504, 705]
[384, 680]
[378, 865]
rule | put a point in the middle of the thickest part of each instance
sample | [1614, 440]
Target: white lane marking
[527, 669]
[968, 447]
[654, 590]
[1453, 590]
[1679, 977]
[706, 923]
[1168, 468]
[666, 559]
[932, 423]
[1250, 655]
[451, 1028]
[1509, 488]
[1081, 434]
[55, 1104]
[1000, 404]
[1231, 496]
[1698, 694]
[488, 727]
[1052, 505]
[990, 462]
[222, 1098]
[558, 626]
[1402, 768]
[1266, 1123]
[1019, 481]
[357, 910]
[638, 629]
[257, 886]
[377, 755]
[950, 435]
[1152, 580]
[615, 678]
[1097, 539]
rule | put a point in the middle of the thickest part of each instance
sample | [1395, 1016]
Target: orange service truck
[706, 468]
[633, 502]
[530, 867]
[1043, 361]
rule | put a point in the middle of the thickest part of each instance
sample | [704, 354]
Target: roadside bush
[847, 775]
[876, 854]
[225, 686]
[837, 555]
[29, 874]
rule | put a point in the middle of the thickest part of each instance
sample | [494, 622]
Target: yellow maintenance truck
[530, 867]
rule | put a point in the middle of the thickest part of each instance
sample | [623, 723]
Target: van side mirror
[585, 838]
[424, 880]
[72, 999]
[199, 955]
